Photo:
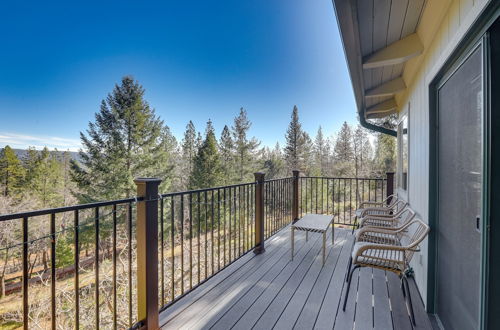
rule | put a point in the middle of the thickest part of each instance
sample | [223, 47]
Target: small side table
[316, 223]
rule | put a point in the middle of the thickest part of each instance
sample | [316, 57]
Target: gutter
[373, 127]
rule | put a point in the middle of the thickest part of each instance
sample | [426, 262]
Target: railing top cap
[147, 180]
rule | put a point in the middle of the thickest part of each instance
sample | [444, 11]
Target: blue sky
[196, 59]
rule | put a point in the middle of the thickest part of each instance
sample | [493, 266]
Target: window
[403, 153]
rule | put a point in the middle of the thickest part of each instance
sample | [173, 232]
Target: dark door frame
[490, 289]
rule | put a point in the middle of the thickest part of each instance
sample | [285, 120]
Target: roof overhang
[379, 37]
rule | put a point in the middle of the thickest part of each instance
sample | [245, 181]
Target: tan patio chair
[386, 249]
[394, 206]
[398, 219]
[387, 202]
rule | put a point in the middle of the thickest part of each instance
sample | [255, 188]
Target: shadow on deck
[270, 291]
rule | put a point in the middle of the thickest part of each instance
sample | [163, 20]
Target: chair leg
[349, 286]
[402, 285]
[292, 234]
[354, 225]
[412, 315]
[348, 268]
[333, 232]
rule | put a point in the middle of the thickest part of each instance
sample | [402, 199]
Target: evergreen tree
[343, 151]
[307, 153]
[189, 148]
[11, 172]
[126, 140]
[361, 151]
[48, 182]
[321, 153]
[207, 170]
[294, 148]
[245, 148]
[30, 162]
[273, 163]
[385, 154]
[226, 146]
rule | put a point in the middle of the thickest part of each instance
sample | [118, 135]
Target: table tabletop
[314, 222]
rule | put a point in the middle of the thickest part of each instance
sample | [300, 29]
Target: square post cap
[259, 176]
[139, 181]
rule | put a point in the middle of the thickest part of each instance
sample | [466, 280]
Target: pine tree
[361, 151]
[189, 149]
[321, 153]
[245, 148]
[343, 151]
[307, 153]
[385, 154]
[226, 146]
[207, 170]
[294, 147]
[11, 172]
[273, 162]
[126, 140]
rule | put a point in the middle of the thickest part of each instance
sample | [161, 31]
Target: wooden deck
[269, 291]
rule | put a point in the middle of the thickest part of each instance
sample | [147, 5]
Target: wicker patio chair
[385, 211]
[387, 202]
[386, 249]
[398, 219]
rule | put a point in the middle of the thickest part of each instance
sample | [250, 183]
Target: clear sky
[196, 59]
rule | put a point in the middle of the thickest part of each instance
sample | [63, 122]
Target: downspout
[370, 126]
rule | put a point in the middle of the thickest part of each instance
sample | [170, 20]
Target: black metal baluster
[114, 268]
[97, 303]
[212, 230]
[229, 226]
[162, 251]
[129, 232]
[327, 196]
[53, 269]
[316, 179]
[172, 246]
[199, 234]
[25, 274]
[249, 236]
[350, 199]
[218, 229]
[345, 188]
[190, 241]
[236, 229]
[182, 242]
[77, 274]
[206, 234]
[225, 237]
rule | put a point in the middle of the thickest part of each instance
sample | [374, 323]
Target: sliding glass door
[460, 178]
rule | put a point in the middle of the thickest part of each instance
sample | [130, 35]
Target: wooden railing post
[147, 252]
[295, 195]
[259, 213]
[390, 185]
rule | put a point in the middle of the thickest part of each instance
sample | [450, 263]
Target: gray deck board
[311, 308]
[296, 304]
[381, 309]
[269, 291]
[364, 309]
[248, 291]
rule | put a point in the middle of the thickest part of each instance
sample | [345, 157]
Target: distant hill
[21, 153]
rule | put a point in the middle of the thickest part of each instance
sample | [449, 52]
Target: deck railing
[116, 264]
